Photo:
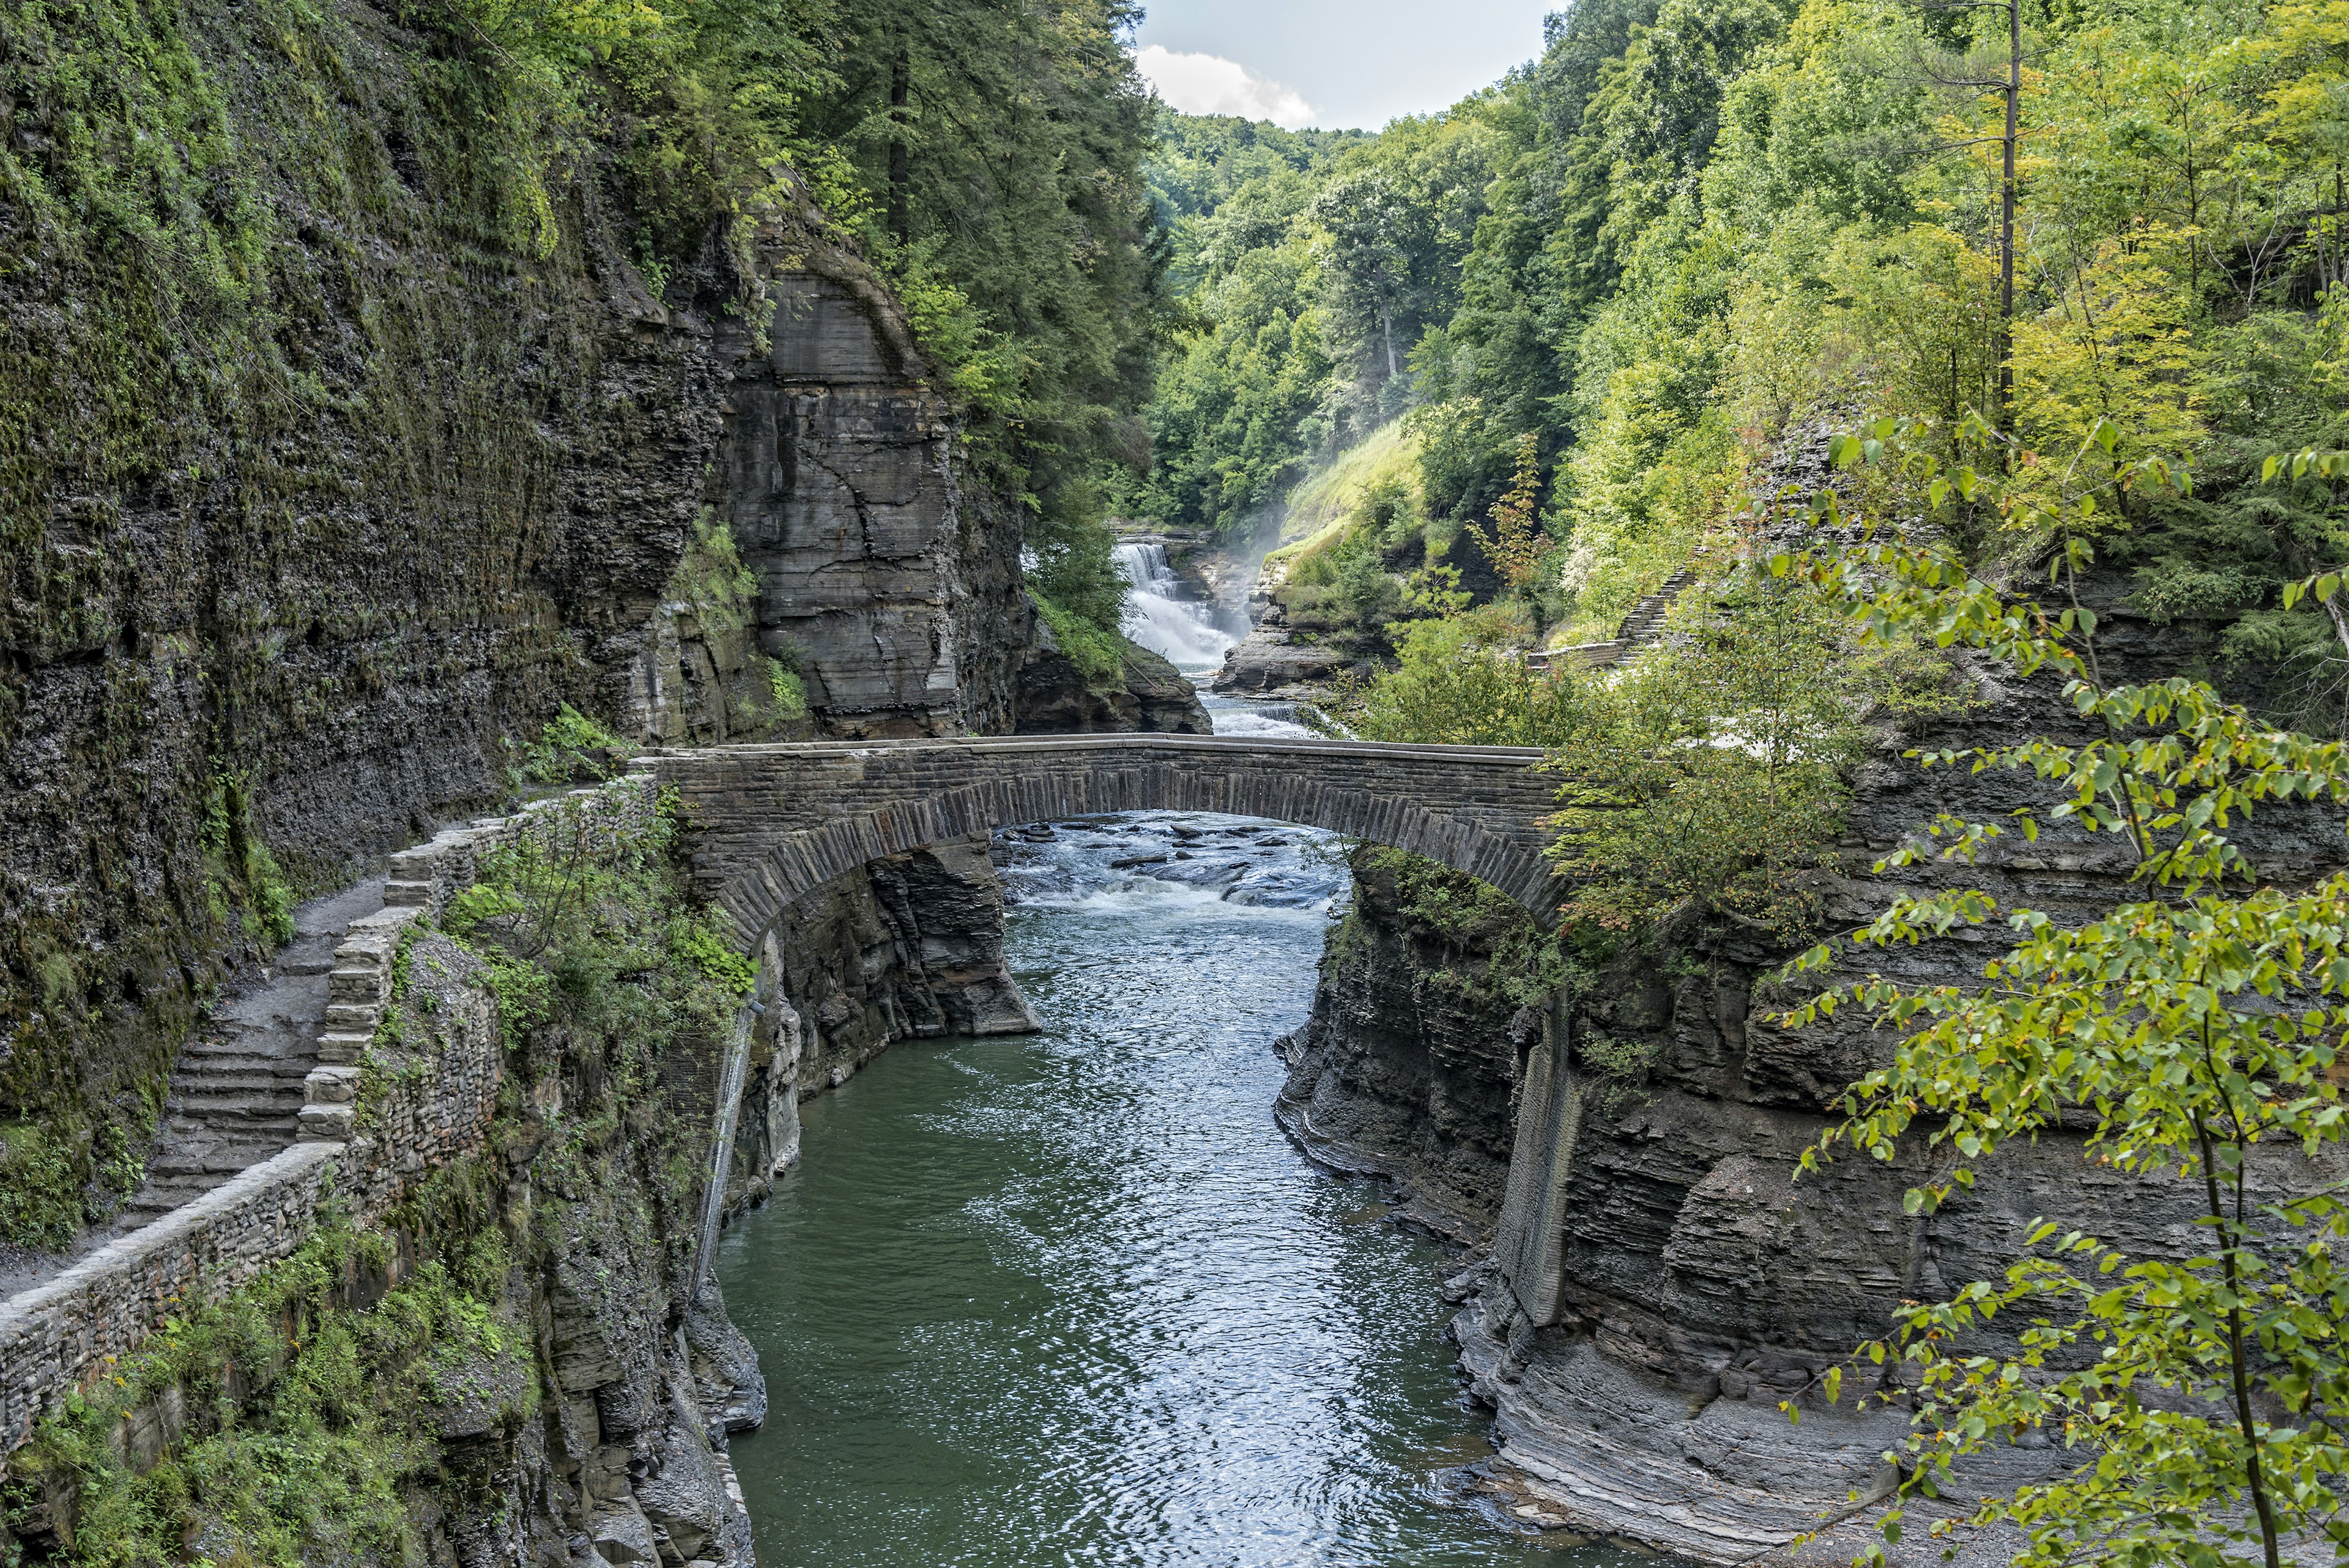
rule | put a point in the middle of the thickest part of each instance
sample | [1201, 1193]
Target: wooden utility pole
[2006, 217]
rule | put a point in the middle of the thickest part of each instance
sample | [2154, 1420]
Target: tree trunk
[901, 178]
[1386, 324]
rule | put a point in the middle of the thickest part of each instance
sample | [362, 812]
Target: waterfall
[1182, 631]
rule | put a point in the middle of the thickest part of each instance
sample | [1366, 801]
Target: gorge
[779, 783]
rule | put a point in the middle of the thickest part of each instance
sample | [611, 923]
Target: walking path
[236, 1092]
[1640, 627]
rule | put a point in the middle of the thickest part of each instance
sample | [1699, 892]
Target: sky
[1335, 64]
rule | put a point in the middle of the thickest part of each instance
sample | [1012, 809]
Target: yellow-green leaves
[2191, 1033]
[2320, 588]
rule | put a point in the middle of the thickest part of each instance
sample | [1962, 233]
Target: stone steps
[1634, 632]
[211, 1055]
[262, 1080]
[1647, 616]
[236, 1094]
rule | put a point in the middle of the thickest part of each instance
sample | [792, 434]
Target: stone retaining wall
[101, 1310]
[428, 1097]
[422, 881]
[383, 1112]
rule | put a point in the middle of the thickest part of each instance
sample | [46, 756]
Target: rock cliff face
[1697, 1282]
[895, 590]
[1149, 695]
[1405, 1068]
[287, 558]
[910, 948]
[1268, 662]
[248, 648]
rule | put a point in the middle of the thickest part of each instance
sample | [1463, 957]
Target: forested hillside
[1692, 231]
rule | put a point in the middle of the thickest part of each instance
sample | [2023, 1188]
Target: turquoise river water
[1073, 1299]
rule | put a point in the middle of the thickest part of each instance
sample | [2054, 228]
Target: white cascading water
[1184, 633]
[1179, 631]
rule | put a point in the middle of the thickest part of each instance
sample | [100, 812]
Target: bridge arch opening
[770, 824]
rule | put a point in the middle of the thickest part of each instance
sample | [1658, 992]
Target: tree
[1713, 769]
[1368, 255]
[1515, 543]
[1461, 681]
[2196, 1029]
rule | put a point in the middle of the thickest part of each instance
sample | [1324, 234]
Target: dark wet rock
[1270, 662]
[1702, 1281]
[910, 947]
[1147, 695]
[727, 1380]
[1401, 1073]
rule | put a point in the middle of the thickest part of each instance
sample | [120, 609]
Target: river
[1072, 1298]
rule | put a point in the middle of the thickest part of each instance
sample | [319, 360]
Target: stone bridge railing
[770, 823]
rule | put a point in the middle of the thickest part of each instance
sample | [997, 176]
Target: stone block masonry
[54, 1337]
[395, 1097]
[770, 823]
[428, 1096]
[422, 882]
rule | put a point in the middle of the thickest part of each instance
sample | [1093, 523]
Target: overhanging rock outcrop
[770, 823]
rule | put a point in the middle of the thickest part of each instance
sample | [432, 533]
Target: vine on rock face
[2198, 1028]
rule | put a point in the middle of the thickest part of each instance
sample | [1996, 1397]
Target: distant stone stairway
[1639, 629]
[1647, 617]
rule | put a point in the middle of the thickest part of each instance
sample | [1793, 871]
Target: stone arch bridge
[772, 822]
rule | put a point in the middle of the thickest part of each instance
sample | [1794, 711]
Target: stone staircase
[1639, 629]
[235, 1096]
[1647, 617]
[279, 1062]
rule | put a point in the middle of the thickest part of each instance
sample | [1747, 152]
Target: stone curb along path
[63, 1332]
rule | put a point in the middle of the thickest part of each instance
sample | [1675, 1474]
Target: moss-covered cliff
[367, 394]
[501, 1360]
[337, 441]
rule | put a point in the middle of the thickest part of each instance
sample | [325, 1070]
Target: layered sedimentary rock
[1148, 695]
[1406, 1067]
[895, 590]
[911, 946]
[1637, 1334]
[1269, 661]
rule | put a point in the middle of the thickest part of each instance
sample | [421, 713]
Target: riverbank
[1125, 1320]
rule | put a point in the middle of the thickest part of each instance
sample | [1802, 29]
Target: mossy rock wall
[338, 441]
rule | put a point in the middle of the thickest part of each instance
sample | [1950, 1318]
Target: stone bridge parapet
[770, 823]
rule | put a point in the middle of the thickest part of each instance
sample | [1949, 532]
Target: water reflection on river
[1072, 1298]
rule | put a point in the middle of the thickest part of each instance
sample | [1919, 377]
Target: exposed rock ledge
[1673, 1278]
[1148, 695]
[1267, 662]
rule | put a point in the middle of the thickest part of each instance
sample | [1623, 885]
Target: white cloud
[1209, 84]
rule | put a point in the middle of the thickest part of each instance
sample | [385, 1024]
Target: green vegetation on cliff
[391, 1375]
[341, 349]
[2193, 1032]
[1694, 236]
